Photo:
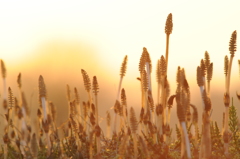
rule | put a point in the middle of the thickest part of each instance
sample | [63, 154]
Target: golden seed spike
[10, 98]
[86, 80]
[210, 72]
[53, 110]
[167, 87]
[181, 113]
[199, 77]
[144, 80]
[203, 67]
[147, 58]
[4, 71]
[158, 73]
[77, 98]
[207, 101]
[85, 110]
[163, 66]
[226, 63]
[19, 81]
[169, 24]
[170, 101]
[117, 107]
[226, 99]
[159, 109]
[42, 88]
[124, 67]
[233, 43]
[178, 74]
[95, 85]
[207, 59]
[133, 121]
[141, 114]
[123, 97]
[142, 61]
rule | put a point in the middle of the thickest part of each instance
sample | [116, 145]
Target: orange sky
[59, 38]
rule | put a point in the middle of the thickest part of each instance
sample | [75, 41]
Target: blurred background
[57, 39]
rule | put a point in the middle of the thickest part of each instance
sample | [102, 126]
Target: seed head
[232, 43]
[124, 67]
[169, 24]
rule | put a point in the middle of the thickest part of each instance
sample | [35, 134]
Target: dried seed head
[170, 101]
[144, 80]
[210, 72]
[199, 77]
[117, 107]
[188, 116]
[141, 114]
[13, 134]
[95, 85]
[142, 62]
[4, 71]
[85, 109]
[226, 63]
[92, 119]
[42, 87]
[146, 117]
[206, 59]
[93, 108]
[203, 67]
[124, 67]
[77, 98]
[163, 66]
[108, 119]
[159, 109]
[233, 43]
[53, 110]
[123, 97]
[158, 73]
[86, 80]
[11, 99]
[178, 74]
[167, 87]
[147, 58]
[97, 130]
[181, 104]
[226, 99]
[39, 113]
[133, 121]
[194, 114]
[169, 24]
[19, 81]
[207, 101]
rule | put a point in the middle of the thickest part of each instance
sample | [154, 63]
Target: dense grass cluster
[128, 135]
